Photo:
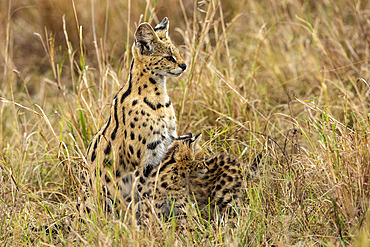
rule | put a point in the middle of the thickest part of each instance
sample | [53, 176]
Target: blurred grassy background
[289, 79]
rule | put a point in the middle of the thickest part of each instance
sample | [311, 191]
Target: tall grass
[288, 79]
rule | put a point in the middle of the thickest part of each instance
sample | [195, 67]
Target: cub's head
[185, 156]
[154, 48]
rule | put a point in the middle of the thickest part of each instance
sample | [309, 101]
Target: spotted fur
[187, 176]
[142, 122]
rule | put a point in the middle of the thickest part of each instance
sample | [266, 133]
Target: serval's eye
[171, 59]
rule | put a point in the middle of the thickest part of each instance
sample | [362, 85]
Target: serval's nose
[183, 66]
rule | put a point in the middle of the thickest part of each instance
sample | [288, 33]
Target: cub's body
[187, 176]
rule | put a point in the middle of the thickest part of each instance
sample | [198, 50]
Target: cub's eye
[171, 59]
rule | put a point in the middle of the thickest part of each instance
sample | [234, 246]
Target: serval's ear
[162, 28]
[146, 40]
[195, 140]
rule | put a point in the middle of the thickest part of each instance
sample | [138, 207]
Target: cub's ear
[146, 40]
[195, 140]
[162, 28]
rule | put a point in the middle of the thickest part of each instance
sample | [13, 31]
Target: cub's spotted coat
[142, 122]
[185, 173]
[223, 182]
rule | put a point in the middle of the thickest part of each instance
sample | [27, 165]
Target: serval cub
[141, 124]
[186, 175]
[170, 180]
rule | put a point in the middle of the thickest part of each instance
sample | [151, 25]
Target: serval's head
[184, 156]
[155, 51]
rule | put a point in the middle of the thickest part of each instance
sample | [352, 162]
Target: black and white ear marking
[184, 137]
[162, 28]
[145, 39]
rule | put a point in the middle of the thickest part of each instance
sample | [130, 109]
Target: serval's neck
[146, 84]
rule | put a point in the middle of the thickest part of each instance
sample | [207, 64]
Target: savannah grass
[286, 79]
